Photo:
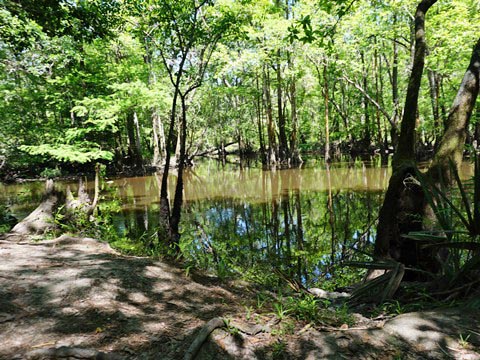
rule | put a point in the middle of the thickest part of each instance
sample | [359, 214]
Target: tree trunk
[366, 115]
[260, 125]
[282, 135]
[404, 207]
[134, 155]
[272, 146]
[164, 203]
[138, 144]
[41, 219]
[296, 159]
[396, 110]
[178, 200]
[405, 153]
[327, 125]
[453, 140]
[158, 139]
[404, 203]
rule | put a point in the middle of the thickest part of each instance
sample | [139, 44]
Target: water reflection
[297, 223]
[209, 182]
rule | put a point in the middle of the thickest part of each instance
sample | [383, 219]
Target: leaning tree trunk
[403, 202]
[453, 140]
[406, 147]
[409, 208]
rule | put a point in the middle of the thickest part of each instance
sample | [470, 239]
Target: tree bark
[452, 143]
[404, 207]
[405, 152]
[272, 146]
[396, 110]
[403, 203]
[295, 157]
[42, 218]
[178, 199]
[327, 124]
[282, 135]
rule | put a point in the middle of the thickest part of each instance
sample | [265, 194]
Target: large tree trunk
[403, 203]
[405, 152]
[404, 207]
[42, 218]
[453, 140]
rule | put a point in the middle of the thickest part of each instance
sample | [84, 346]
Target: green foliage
[81, 153]
[457, 212]
[7, 221]
[72, 73]
[50, 173]
[306, 308]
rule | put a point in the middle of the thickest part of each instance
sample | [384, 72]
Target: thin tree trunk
[282, 135]
[178, 200]
[294, 152]
[138, 144]
[327, 103]
[377, 74]
[156, 143]
[395, 98]
[272, 146]
[260, 125]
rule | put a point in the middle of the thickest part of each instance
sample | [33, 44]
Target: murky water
[298, 223]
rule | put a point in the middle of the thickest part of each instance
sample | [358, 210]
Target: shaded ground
[78, 293]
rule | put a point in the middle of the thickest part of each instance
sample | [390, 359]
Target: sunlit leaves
[80, 153]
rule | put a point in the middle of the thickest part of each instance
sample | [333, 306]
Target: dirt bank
[77, 298]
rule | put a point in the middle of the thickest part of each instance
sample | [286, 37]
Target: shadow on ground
[78, 293]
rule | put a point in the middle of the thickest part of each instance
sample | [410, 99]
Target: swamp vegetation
[287, 148]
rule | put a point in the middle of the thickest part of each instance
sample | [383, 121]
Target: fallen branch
[377, 289]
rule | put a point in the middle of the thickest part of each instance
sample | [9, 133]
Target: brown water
[246, 222]
[209, 181]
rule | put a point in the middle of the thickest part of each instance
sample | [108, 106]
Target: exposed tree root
[213, 324]
[218, 322]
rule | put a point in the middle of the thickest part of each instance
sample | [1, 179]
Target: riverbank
[78, 296]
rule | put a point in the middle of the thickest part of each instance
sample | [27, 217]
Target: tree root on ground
[219, 322]
[213, 324]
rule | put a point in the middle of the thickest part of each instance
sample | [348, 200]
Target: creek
[249, 222]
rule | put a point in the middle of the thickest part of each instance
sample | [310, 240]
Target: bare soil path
[73, 298]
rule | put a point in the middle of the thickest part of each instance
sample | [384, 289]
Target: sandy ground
[74, 298]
